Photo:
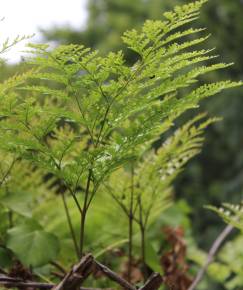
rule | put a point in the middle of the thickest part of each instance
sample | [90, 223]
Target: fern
[231, 214]
[144, 190]
[80, 116]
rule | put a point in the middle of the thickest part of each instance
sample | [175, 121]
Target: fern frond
[231, 214]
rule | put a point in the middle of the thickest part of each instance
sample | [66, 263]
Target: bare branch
[17, 283]
[114, 277]
[212, 252]
[77, 275]
[153, 283]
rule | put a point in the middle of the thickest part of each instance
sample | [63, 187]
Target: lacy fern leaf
[80, 116]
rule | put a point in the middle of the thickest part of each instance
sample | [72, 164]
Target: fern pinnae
[83, 116]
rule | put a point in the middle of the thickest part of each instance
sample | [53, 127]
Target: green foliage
[8, 44]
[89, 121]
[144, 191]
[156, 170]
[231, 256]
[32, 245]
[23, 188]
[215, 176]
[231, 214]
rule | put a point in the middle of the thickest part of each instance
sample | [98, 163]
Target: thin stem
[93, 192]
[70, 225]
[130, 227]
[103, 125]
[143, 252]
[130, 246]
[84, 213]
[143, 239]
[59, 267]
[83, 116]
[118, 201]
[23, 284]
[113, 276]
[58, 165]
[75, 200]
[111, 103]
[150, 207]
[82, 230]
[212, 252]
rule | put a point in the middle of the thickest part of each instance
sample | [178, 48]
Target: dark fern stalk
[84, 213]
[75, 243]
[142, 227]
[131, 219]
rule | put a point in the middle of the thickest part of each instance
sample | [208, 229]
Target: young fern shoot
[152, 177]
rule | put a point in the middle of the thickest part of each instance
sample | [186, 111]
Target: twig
[213, 250]
[17, 283]
[77, 275]
[59, 267]
[153, 283]
[74, 279]
[113, 276]
[27, 285]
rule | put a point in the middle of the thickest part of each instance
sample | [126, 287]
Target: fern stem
[143, 240]
[102, 125]
[130, 234]
[143, 252]
[84, 213]
[130, 246]
[76, 201]
[82, 232]
[70, 225]
[83, 116]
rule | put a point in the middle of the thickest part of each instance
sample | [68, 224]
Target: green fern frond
[82, 117]
[231, 214]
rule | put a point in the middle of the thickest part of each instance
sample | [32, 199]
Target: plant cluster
[78, 127]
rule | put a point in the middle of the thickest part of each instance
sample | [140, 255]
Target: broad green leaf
[33, 246]
[18, 202]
